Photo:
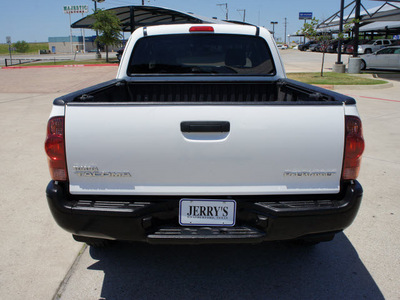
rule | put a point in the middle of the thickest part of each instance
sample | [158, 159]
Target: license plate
[199, 212]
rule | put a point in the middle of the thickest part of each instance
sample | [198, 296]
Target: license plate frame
[207, 212]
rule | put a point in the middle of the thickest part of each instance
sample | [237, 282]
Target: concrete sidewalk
[35, 253]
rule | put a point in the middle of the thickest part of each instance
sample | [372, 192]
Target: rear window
[201, 54]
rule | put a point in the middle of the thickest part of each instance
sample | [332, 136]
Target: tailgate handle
[205, 126]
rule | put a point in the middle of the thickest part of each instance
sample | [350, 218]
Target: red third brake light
[55, 149]
[354, 148]
[201, 29]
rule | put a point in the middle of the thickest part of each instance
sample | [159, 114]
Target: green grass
[331, 78]
[33, 48]
[72, 62]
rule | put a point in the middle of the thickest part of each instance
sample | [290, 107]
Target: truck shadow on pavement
[264, 271]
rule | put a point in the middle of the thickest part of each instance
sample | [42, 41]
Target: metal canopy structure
[132, 17]
[390, 28]
[388, 11]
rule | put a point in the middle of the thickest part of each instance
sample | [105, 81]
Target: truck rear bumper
[155, 219]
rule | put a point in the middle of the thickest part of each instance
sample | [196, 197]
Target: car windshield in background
[201, 54]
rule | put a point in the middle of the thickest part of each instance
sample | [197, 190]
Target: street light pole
[273, 28]
[98, 54]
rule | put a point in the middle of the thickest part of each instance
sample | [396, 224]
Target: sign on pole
[8, 39]
[305, 16]
[76, 9]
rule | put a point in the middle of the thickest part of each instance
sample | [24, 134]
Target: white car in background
[282, 46]
[386, 58]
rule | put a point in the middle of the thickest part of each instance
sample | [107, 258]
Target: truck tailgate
[132, 149]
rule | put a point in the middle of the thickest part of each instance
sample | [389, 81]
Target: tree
[109, 28]
[323, 38]
[21, 46]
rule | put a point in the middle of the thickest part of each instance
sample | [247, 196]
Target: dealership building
[62, 44]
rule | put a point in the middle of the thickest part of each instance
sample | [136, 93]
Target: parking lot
[41, 261]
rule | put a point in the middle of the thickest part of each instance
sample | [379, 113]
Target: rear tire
[93, 242]
[363, 65]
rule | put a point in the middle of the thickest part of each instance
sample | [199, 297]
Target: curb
[364, 87]
[59, 66]
[355, 87]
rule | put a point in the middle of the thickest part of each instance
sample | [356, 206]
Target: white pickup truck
[201, 138]
[373, 46]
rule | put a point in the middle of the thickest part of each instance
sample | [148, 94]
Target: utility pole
[273, 28]
[226, 9]
[244, 14]
[285, 29]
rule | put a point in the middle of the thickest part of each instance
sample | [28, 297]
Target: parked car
[345, 44]
[322, 47]
[306, 46]
[386, 58]
[314, 47]
[332, 47]
[120, 51]
[282, 46]
[374, 45]
[395, 42]
[348, 46]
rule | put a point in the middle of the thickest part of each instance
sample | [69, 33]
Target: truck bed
[283, 91]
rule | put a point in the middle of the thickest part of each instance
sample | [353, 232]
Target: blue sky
[35, 21]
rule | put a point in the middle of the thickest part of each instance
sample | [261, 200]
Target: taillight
[55, 149]
[354, 148]
[201, 29]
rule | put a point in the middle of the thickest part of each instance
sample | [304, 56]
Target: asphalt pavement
[41, 261]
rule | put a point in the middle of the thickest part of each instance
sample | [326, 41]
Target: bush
[21, 46]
